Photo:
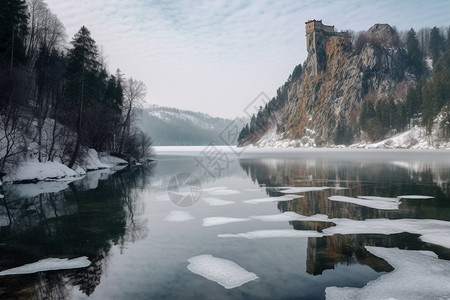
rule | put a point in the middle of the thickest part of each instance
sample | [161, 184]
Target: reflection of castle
[368, 178]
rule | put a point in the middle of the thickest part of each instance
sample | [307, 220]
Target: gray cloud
[200, 54]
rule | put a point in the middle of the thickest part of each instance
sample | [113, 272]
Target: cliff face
[336, 79]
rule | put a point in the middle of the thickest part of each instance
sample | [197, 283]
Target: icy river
[222, 223]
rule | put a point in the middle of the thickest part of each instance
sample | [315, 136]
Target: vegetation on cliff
[361, 87]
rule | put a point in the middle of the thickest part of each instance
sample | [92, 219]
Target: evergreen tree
[415, 56]
[436, 44]
[13, 30]
[81, 72]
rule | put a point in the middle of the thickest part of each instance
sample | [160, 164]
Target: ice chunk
[290, 216]
[49, 264]
[214, 221]
[303, 189]
[368, 202]
[438, 238]
[273, 233]
[273, 199]
[217, 201]
[225, 272]
[223, 192]
[431, 231]
[378, 198]
[179, 216]
[418, 197]
[416, 275]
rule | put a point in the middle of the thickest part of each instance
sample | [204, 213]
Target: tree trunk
[79, 126]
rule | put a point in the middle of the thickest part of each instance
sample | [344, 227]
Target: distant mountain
[174, 127]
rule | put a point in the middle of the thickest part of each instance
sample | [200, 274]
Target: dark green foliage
[13, 30]
[415, 56]
[414, 99]
[437, 44]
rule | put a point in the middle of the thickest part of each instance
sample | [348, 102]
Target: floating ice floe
[179, 216]
[214, 221]
[217, 201]
[377, 203]
[416, 275]
[273, 199]
[418, 197]
[303, 189]
[49, 264]
[431, 231]
[291, 216]
[273, 233]
[384, 203]
[223, 192]
[225, 272]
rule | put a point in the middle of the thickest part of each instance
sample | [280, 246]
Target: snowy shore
[32, 170]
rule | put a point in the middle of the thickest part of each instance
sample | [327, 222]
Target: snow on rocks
[92, 162]
[49, 264]
[222, 271]
[416, 275]
[33, 171]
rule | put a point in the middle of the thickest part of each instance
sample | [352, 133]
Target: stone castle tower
[317, 35]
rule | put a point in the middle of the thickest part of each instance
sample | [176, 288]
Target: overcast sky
[216, 56]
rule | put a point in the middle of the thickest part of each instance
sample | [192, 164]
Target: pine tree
[415, 56]
[436, 44]
[81, 71]
[13, 30]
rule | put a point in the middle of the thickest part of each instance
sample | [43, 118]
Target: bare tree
[134, 93]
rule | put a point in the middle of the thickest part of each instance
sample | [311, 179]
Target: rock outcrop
[336, 79]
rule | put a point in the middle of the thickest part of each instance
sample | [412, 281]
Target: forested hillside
[175, 127]
[57, 98]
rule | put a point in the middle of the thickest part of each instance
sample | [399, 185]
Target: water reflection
[75, 221]
[354, 178]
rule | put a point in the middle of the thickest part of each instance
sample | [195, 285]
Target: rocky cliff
[337, 77]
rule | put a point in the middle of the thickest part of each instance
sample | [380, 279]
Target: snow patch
[305, 189]
[417, 275]
[372, 202]
[217, 201]
[222, 192]
[291, 216]
[273, 233]
[415, 197]
[214, 221]
[272, 199]
[222, 271]
[178, 216]
[92, 162]
[36, 171]
[49, 264]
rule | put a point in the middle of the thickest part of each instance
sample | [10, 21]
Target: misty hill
[174, 127]
[358, 89]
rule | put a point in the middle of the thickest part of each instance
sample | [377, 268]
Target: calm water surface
[118, 222]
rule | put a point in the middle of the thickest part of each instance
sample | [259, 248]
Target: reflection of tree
[71, 223]
[359, 178]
